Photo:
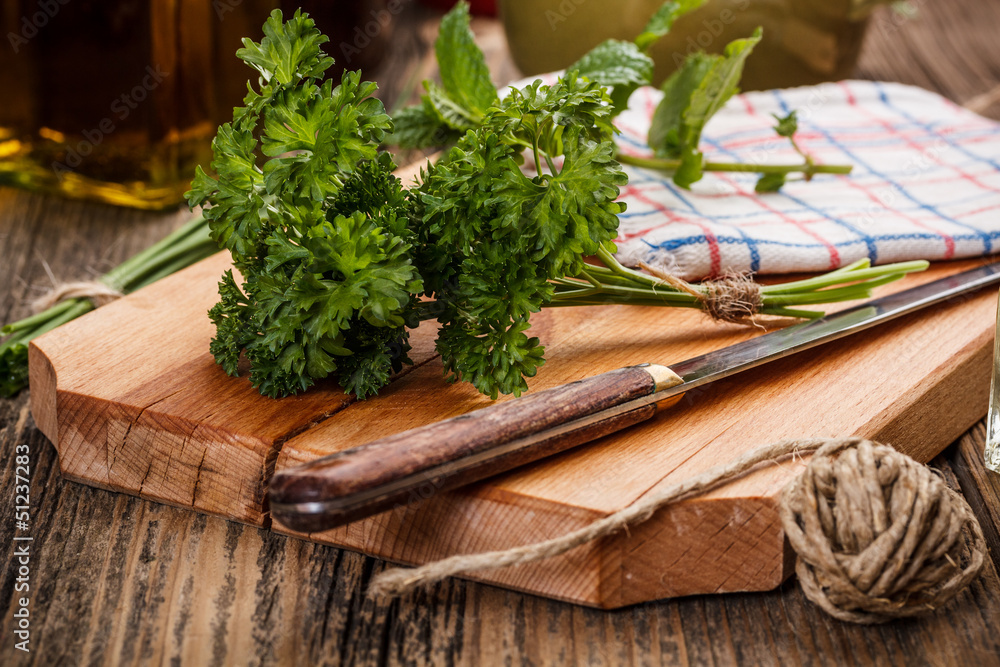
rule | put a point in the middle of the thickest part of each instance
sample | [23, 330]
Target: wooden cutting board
[134, 403]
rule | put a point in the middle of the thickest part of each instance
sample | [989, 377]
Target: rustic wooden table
[115, 579]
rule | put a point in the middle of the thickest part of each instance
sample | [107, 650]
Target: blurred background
[118, 101]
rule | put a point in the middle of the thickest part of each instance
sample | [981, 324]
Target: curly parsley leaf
[318, 228]
[13, 368]
[490, 238]
[289, 51]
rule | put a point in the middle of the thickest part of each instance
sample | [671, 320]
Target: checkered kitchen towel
[925, 185]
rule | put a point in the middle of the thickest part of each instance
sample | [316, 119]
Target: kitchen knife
[410, 466]
[991, 451]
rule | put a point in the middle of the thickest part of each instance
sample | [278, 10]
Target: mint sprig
[692, 96]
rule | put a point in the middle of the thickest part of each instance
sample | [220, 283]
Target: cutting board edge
[43, 382]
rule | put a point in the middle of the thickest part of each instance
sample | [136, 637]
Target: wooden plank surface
[159, 419]
[117, 580]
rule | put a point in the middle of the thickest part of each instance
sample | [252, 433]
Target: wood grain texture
[120, 580]
[125, 581]
[727, 540]
[166, 423]
[160, 420]
[364, 480]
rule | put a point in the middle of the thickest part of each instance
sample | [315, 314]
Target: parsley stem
[806, 167]
[616, 284]
[37, 318]
[187, 245]
[838, 277]
[615, 267]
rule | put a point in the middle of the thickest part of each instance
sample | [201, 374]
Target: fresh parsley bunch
[336, 260]
[315, 222]
[491, 238]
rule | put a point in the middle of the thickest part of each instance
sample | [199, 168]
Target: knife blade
[407, 467]
[991, 451]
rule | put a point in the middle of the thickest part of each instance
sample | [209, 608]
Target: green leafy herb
[462, 101]
[620, 66]
[692, 95]
[769, 183]
[623, 66]
[490, 238]
[663, 20]
[787, 126]
[464, 73]
[189, 244]
[333, 252]
[318, 230]
[336, 261]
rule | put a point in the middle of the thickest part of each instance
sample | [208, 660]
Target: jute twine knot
[878, 535]
[731, 298]
[97, 292]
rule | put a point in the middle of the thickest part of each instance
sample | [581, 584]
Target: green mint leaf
[666, 127]
[692, 96]
[721, 83]
[788, 125]
[620, 66]
[420, 126]
[449, 112]
[769, 183]
[466, 93]
[663, 20]
[464, 73]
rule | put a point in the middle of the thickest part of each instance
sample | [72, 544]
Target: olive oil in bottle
[118, 101]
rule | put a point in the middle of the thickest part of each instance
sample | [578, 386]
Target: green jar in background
[805, 41]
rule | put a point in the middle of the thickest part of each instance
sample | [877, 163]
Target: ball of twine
[878, 535]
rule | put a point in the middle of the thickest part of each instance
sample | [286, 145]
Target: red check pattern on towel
[925, 185]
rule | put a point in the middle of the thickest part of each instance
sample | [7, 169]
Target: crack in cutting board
[189, 436]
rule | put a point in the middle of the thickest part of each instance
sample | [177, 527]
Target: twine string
[731, 298]
[878, 535]
[97, 292]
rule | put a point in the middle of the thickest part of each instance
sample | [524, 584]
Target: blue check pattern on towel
[925, 185]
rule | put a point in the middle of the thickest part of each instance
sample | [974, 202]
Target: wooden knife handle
[415, 464]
